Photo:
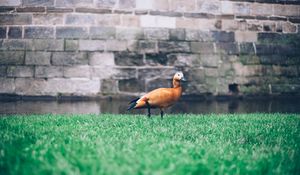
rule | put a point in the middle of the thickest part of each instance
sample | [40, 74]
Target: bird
[161, 98]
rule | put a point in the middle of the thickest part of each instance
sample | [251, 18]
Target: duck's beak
[182, 79]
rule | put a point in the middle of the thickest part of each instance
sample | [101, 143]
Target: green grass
[124, 144]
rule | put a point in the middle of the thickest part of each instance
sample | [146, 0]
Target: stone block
[79, 19]
[247, 49]
[159, 59]
[129, 33]
[11, 58]
[257, 26]
[249, 59]
[267, 37]
[148, 21]
[38, 32]
[158, 21]
[15, 19]
[156, 34]
[76, 71]
[20, 71]
[144, 4]
[126, 4]
[109, 86]
[103, 72]
[69, 58]
[152, 73]
[116, 45]
[74, 3]
[188, 23]
[225, 70]
[198, 35]
[14, 32]
[147, 46]
[2, 32]
[3, 71]
[210, 60]
[158, 83]
[111, 20]
[102, 32]
[37, 58]
[223, 36]
[71, 45]
[211, 72]
[230, 25]
[286, 10]
[170, 46]
[6, 9]
[228, 48]
[132, 85]
[7, 85]
[38, 2]
[202, 47]
[264, 49]
[12, 44]
[45, 45]
[261, 9]
[241, 8]
[182, 5]
[130, 21]
[227, 7]
[160, 4]
[185, 60]
[101, 59]
[213, 6]
[285, 89]
[269, 26]
[10, 2]
[177, 34]
[196, 74]
[288, 27]
[106, 3]
[48, 71]
[245, 36]
[71, 32]
[57, 86]
[91, 45]
[128, 59]
[125, 73]
[48, 19]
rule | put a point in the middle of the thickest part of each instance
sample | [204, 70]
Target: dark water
[119, 107]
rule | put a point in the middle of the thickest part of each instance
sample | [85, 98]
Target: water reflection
[119, 107]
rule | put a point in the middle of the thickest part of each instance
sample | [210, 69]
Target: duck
[161, 98]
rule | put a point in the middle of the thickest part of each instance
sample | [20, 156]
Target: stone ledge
[193, 97]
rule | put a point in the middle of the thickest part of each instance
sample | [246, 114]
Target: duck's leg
[149, 107]
[161, 114]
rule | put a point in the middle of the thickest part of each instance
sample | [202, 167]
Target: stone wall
[127, 47]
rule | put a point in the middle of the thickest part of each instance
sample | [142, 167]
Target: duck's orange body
[160, 98]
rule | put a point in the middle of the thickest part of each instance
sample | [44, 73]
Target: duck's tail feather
[132, 104]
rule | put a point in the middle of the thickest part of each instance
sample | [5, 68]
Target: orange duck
[160, 98]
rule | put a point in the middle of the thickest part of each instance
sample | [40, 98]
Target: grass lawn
[133, 144]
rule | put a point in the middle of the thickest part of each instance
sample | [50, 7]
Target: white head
[179, 76]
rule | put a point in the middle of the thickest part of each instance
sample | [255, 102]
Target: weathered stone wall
[126, 47]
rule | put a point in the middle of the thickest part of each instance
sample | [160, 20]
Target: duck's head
[179, 76]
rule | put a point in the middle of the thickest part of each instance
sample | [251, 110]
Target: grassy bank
[123, 144]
